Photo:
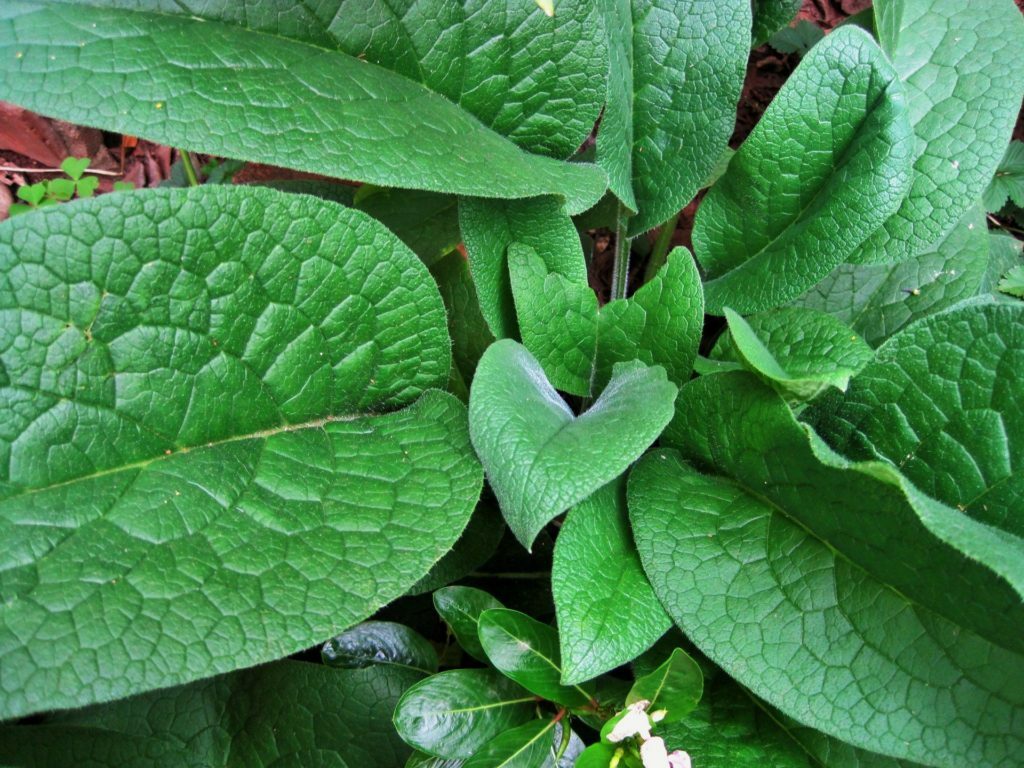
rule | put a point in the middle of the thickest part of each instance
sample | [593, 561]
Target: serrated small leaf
[526, 651]
[796, 201]
[675, 687]
[1008, 183]
[1012, 283]
[607, 612]
[380, 642]
[540, 458]
[460, 608]
[454, 714]
[526, 746]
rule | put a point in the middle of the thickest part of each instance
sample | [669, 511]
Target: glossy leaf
[963, 73]
[456, 713]
[243, 80]
[607, 612]
[539, 457]
[527, 746]
[796, 201]
[526, 651]
[475, 546]
[958, 437]
[877, 300]
[286, 713]
[830, 592]
[578, 344]
[421, 760]
[800, 352]
[674, 687]
[187, 412]
[676, 73]
[380, 642]
[460, 608]
[490, 227]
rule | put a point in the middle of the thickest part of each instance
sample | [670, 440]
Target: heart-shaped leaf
[286, 713]
[946, 53]
[796, 200]
[380, 642]
[32, 194]
[959, 439]
[188, 448]
[675, 77]
[460, 607]
[455, 713]
[279, 88]
[675, 687]
[74, 166]
[607, 612]
[539, 457]
[578, 344]
[526, 650]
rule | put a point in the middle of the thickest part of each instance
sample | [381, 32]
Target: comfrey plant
[239, 421]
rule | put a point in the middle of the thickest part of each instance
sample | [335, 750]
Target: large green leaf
[944, 401]
[526, 650]
[796, 199]
[490, 227]
[245, 80]
[772, 15]
[578, 344]
[677, 67]
[475, 547]
[963, 71]
[877, 300]
[455, 713]
[287, 713]
[800, 574]
[187, 467]
[540, 458]
[607, 612]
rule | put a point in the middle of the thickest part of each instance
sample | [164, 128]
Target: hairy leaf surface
[189, 455]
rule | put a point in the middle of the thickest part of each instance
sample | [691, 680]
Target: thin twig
[94, 171]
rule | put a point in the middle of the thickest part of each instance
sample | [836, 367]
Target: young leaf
[796, 200]
[380, 642]
[947, 53]
[607, 611]
[676, 73]
[32, 194]
[1012, 283]
[74, 166]
[799, 38]
[539, 457]
[800, 352]
[599, 756]
[490, 227]
[474, 547]
[830, 589]
[1008, 183]
[959, 439]
[61, 190]
[286, 713]
[86, 187]
[526, 650]
[191, 408]
[675, 687]
[261, 84]
[578, 344]
[455, 713]
[460, 608]
[527, 746]
[877, 300]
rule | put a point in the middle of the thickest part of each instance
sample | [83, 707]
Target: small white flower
[679, 759]
[635, 722]
[653, 753]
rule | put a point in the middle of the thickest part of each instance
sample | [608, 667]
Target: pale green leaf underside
[224, 88]
[877, 300]
[837, 630]
[963, 72]
[186, 464]
[578, 343]
[797, 200]
[539, 457]
[288, 713]
[607, 612]
[944, 401]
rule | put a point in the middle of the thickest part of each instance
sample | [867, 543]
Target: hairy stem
[620, 275]
[660, 251]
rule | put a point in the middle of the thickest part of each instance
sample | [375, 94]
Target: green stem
[190, 170]
[620, 267]
[660, 251]
[566, 735]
